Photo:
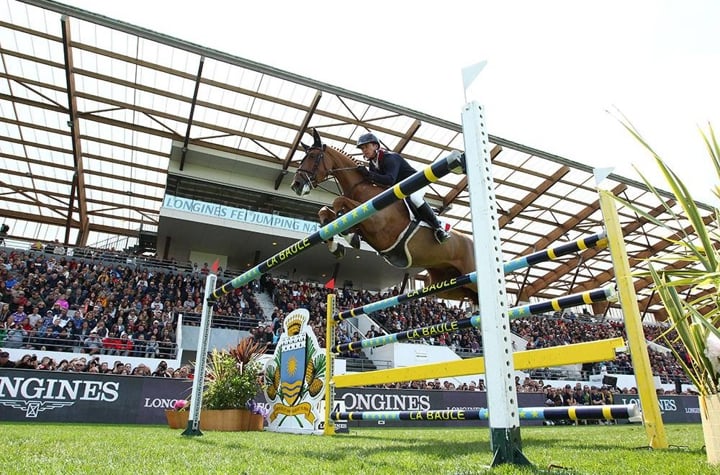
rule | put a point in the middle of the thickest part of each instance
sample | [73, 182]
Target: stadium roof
[90, 108]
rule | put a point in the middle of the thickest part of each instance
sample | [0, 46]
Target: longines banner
[45, 396]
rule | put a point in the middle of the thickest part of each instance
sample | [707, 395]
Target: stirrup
[441, 235]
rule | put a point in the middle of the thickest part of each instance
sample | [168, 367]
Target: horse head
[312, 170]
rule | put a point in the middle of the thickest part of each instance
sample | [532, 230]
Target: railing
[228, 322]
[164, 350]
[109, 257]
[365, 364]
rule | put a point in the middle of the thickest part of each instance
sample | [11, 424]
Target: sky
[558, 74]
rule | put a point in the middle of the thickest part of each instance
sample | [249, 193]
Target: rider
[389, 168]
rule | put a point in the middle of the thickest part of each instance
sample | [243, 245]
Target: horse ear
[305, 147]
[316, 137]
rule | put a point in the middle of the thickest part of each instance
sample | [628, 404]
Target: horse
[391, 231]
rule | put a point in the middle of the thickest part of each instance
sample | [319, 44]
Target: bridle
[310, 176]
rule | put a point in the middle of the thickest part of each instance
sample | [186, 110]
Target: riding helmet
[367, 138]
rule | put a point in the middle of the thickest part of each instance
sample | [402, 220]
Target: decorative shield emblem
[296, 378]
[293, 373]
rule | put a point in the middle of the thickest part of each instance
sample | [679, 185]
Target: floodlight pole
[193, 427]
[504, 418]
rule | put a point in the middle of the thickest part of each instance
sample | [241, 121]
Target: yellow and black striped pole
[551, 254]
[607, 412]
[567, 301]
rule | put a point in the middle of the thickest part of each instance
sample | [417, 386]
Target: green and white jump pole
[193, 427]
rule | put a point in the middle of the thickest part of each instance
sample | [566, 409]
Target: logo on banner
[33, 408]
[296, 378]
[36, 395]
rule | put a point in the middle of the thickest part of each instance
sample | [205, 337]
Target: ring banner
[51, 396]
[674, 408]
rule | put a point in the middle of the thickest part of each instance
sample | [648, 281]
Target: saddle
[398, 254]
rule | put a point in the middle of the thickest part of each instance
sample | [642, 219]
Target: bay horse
[391, 231]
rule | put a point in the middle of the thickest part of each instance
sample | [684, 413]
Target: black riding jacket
[392, 168]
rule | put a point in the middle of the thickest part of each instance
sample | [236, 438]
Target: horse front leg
[342, 205]
[327, 215]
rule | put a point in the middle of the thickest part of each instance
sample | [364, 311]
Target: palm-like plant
[233, 377]
[693, 335]
[248, 350]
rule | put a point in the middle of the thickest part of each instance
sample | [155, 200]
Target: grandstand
[149, 155]
[257, 310]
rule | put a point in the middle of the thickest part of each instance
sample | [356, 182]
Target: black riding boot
[426, 213]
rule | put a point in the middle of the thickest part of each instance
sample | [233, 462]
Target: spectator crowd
[50, 301]
[539, 331]
[55, 302]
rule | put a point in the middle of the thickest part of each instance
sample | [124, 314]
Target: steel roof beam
[567, 267]
[462, 184]
[531, 197]
[532, 289]
[192, 113]
[78, 185]
[405, 139]
[60, 222]
[297, 79]
[298, 138]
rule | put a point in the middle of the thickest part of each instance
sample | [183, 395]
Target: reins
[350, 191]
[311, 176]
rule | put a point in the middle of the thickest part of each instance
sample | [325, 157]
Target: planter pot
[224, 419]
[256, 422]
[177, 419]
[710, 415]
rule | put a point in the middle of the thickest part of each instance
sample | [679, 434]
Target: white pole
[193, 427]
[504, 419]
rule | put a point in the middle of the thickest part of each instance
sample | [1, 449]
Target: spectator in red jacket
[124, 345]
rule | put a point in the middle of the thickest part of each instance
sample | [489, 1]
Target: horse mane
[345, 154]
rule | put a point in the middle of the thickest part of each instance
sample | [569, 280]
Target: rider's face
[369, 150]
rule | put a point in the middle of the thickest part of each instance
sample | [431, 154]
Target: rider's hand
[363, 170]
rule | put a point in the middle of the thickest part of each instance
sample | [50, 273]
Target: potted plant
[177, 417]
[233, 377]
[690, 292]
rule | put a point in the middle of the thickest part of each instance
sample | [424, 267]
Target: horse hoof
[339, 253]
[336, 249]
[353, 240]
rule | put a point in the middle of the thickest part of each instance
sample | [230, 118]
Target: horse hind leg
[463, 293]
[353, 239]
